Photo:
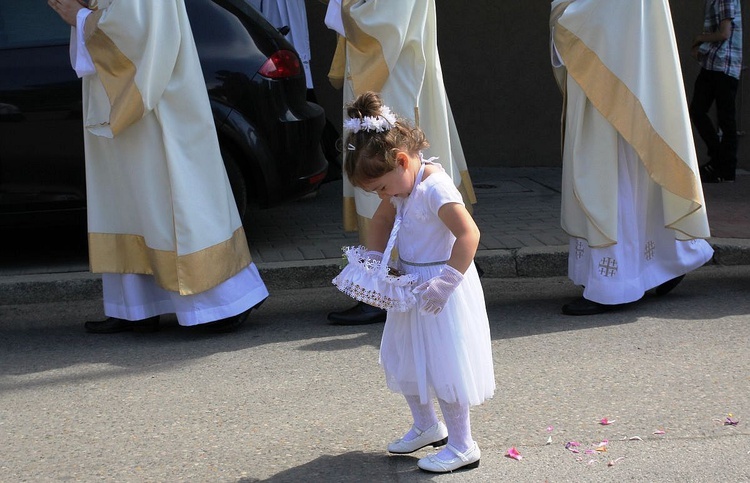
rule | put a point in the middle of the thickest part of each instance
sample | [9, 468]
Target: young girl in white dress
[440, 348]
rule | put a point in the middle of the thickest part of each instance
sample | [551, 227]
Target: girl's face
[397, 182]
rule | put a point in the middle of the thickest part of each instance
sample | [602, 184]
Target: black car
[269, 133]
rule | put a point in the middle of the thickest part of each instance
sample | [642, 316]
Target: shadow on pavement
[30, 344]
[352, 466]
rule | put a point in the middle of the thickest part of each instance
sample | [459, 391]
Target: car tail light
[317, 178]
[281, 64]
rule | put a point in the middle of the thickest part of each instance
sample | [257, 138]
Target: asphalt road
[290, 398]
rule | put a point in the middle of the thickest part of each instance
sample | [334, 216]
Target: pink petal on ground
[614, 462]
[660, 431]
[549, 429]
[606, 421]
[730, 422]
[572, 445]
[513, 453]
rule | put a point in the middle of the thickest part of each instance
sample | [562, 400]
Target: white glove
[373, 255]
[435, 291]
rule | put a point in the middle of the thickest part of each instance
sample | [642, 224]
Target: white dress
[449, 355]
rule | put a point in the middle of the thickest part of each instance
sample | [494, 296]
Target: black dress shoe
[360, 314]
[667, 286]
[584, 306]
[230, 324]
[709, 174]
[113, 325]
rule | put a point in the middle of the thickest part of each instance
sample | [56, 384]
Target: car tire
[237, 182]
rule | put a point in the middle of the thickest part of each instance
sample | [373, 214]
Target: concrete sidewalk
[298, 244]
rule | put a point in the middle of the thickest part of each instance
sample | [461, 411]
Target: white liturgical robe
[159, 200]
[391, 48]
[632, 200]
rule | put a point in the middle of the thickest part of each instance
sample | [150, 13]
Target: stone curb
[523, 262]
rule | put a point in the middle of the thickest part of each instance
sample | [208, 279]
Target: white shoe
[469, 459]
[436, 435]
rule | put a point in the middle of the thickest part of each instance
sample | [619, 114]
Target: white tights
[423, 414]
[457, 420]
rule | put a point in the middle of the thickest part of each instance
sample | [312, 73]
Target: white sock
[457, 420]
[423, 414]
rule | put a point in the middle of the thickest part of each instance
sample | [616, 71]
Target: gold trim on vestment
[186, 274]
[612, 98]
[338, 64]
[466, 188]
[350, 214]
[363, 227]
[116, 73]
[364, 54]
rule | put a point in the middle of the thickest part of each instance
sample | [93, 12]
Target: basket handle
[391, 243]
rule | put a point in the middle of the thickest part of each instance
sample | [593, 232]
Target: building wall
[496, 69]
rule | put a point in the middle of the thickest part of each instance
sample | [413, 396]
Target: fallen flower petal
[660, 431]
[549, 429]
[591, 462]
[513, 453]
[549, 440]
[572, 445]
[635, 438]
[601, 449]
[730, 422]
[606, 421]
[615, 461]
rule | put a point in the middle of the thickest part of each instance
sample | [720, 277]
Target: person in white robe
[164, 229]
[632, 200]
[293, 15]
[390, 47]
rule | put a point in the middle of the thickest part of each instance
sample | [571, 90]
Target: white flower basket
[374, 282]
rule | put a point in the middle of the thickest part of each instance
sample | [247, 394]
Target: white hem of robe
[135, 297]
[646, 255]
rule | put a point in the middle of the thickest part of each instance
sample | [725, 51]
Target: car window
[30, 23]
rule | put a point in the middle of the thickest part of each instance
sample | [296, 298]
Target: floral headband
[380, 123]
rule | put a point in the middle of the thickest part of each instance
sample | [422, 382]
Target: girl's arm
[462, 225]
[380, 226]
[435, 292]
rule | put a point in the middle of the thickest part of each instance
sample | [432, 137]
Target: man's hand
[67, 9]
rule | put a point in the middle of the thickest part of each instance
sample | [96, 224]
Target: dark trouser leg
[726, 93]
[703, 97]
